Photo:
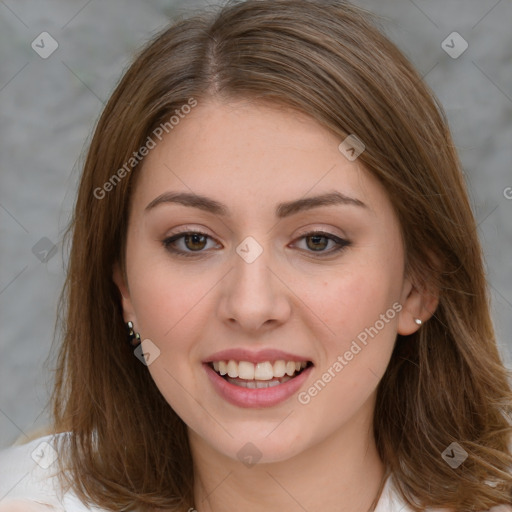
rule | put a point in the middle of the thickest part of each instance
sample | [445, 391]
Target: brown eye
[324, 244]
[317, 242]
[190, 243]
[195, 241]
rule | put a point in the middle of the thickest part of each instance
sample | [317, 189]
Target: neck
[342, 473]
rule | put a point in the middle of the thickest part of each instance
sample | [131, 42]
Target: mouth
[260, 375]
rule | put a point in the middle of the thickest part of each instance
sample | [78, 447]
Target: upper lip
[260, 356]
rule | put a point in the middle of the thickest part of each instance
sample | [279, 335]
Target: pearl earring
[133, 337]
[418, 321]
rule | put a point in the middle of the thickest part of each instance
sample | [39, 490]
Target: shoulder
[29, 479]
[390, 501]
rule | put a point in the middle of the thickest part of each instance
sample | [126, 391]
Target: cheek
[351, 301]
[360, 305]
[172, 310]
[361, 309]
[165, 297]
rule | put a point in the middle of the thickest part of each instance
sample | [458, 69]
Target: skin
[24, 506]
[322, 455]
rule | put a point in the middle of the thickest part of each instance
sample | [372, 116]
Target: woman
[275, 298]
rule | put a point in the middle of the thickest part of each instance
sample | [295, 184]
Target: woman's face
[297, 257]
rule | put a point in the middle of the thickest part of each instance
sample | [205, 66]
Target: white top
[28, 479]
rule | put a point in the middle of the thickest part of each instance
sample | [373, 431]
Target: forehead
[249, 155]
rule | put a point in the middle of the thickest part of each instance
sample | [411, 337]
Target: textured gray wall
[48, 107]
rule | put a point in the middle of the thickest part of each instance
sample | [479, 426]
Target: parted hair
[126, 447]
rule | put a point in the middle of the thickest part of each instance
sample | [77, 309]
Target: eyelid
[322, 228]
[192, 228]
[341, 243]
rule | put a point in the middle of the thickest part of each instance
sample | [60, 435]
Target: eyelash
[167, 243]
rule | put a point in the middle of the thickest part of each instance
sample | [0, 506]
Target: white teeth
[256, 384]
[264, 371]
[246, 370]
[232, 369]
[290, 368]
[279, 368]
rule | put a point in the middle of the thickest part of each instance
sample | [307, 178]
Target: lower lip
[264, 397]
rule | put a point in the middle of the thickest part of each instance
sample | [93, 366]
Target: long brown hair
[445, 384]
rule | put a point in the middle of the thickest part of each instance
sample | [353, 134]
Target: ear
[119, 279]
[417, 303]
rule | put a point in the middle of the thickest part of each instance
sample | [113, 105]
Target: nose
[254, 297]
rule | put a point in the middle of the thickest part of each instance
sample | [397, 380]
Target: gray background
[48, 108]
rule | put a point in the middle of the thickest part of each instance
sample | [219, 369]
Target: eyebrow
[282, 210]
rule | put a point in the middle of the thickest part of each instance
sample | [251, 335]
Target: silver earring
[418, 321]
[133, 337]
